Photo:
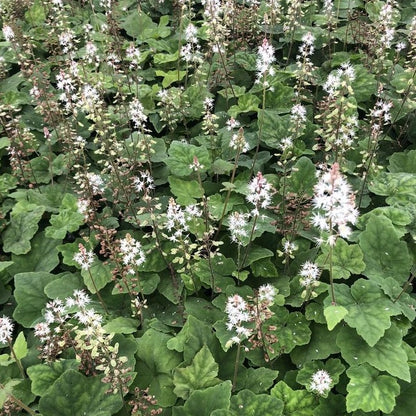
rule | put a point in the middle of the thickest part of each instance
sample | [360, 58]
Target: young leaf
[334, 314]
[370, 391]
[200, 374]
[23, 226]
[20, 346]
[203, 402]
[69, 219]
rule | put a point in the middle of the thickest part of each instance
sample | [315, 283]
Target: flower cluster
[309, 273]
[237, 225]
[259, 193]
[6, 329]
[73, 324]
[238, 141]
[191, 51]
[341, 79]
[321, 382]
[176, 219]
[246, 319]
[264, 62]
[334, 204]
[84, 258]
[132, 253]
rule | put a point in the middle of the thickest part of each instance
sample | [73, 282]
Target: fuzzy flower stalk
[334, 205]
[246, 319]
[335, 210]
[85, 259]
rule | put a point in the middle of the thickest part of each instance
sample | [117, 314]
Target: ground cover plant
[207, 208]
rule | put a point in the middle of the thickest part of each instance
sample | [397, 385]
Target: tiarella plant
[207, 208]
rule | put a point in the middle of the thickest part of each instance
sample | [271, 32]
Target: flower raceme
[6, 329]
[334, 204]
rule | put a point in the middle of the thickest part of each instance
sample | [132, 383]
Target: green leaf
[369, 310]
[247, 403]
[398, 187]
[192, 337]
[293, 330]
[44, 375]
[334, 314]
[333, 367]
[386, 355]
[406, 402]
[369, 391]
[68, 219]
[7, 390]
[185, 191]
[181, 157]
[30, 296]
[23, 226]
[364, 83]
[275, 127]
[203, 402]
[20, 346]
[200, 374]
[246, 104]
[398, 217]
[64, 286]
[43, 256]
[256, 253]
[332, 405]
[35, 14]
[347, 259]
[122, 325]
[140, 26]
[155, 364]
[296, 402]
[74, 394]
[321, 345]
[384, 254]
[403, 162]
[303, 177]
[402, 300]
[170, 77]
[264, 268]
[257, 380]
[100, 272]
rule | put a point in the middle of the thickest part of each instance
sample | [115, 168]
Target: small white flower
[84, 258]
[321, 382]
[8, 33]
[259, 192]
[6, 329]
[310, 274]
[267, 293]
